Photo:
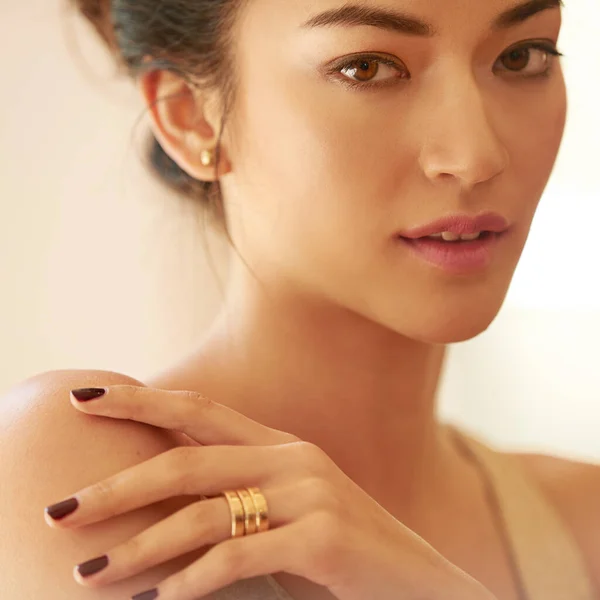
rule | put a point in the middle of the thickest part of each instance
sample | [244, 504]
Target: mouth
[454, 238]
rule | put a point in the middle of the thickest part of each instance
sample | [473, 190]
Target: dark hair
[190, 38]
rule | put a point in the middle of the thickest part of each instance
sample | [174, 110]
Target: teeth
[470, 237]
[447, 236]
[450, 237]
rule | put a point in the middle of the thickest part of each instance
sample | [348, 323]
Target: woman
[377, 167]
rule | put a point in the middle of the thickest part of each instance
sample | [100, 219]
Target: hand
[323, 527]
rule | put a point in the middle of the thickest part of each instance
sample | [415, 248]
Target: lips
[459, 225]
[447, 252]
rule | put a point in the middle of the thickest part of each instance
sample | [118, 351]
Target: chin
[455, 314]
[448, 324]
[453, 333]
[453, 328]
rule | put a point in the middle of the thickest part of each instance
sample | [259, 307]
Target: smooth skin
[337, 335]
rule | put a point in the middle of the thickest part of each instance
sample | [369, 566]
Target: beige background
[101, 268]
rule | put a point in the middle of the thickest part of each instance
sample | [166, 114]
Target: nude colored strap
[550, 562]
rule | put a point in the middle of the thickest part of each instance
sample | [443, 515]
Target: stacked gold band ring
[249, 511]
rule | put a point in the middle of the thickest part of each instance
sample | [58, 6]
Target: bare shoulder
[574, 489]
[48, 451]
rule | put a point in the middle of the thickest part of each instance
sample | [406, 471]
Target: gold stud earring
[206, 157]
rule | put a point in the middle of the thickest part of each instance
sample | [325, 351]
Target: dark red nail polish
[91, 567]
[148, 595]
[62, 509]
[85, 394]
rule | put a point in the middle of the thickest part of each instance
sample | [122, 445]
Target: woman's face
[460, 116]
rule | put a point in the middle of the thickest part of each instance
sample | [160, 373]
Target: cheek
[536, 140]
[319, 169]
[324, 187]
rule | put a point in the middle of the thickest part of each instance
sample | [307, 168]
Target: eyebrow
[353, 15]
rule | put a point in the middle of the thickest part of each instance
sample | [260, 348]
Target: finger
[187, 530]
[182, 471]
[205, 421]
[192, 528]
[256, 555]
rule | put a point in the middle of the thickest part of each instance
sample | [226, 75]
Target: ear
[180, 122]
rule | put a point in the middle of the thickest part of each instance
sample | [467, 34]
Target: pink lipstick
[459, 244]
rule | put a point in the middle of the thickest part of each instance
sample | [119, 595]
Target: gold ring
[250, 525]
[249, 511]
[237, 513]
[262, 510]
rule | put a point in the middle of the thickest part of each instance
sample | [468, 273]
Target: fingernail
[148, 595]
[62, 509]
[93, 566]
[85, 394]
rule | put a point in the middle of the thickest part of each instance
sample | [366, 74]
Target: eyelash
[549, 49]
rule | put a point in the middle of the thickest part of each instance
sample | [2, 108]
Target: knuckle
[197, 402]
[312, 460]
[191, 407]
[133, 392]
[134, 552]
[103, 493]
[132, 404]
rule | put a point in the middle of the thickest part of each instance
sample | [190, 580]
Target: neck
[364, 394]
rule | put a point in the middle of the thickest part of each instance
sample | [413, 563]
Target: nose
[459, 142]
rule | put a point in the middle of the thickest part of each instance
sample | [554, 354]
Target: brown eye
[518, 59]
[368, 71]
[362, 69]
[534, 59]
